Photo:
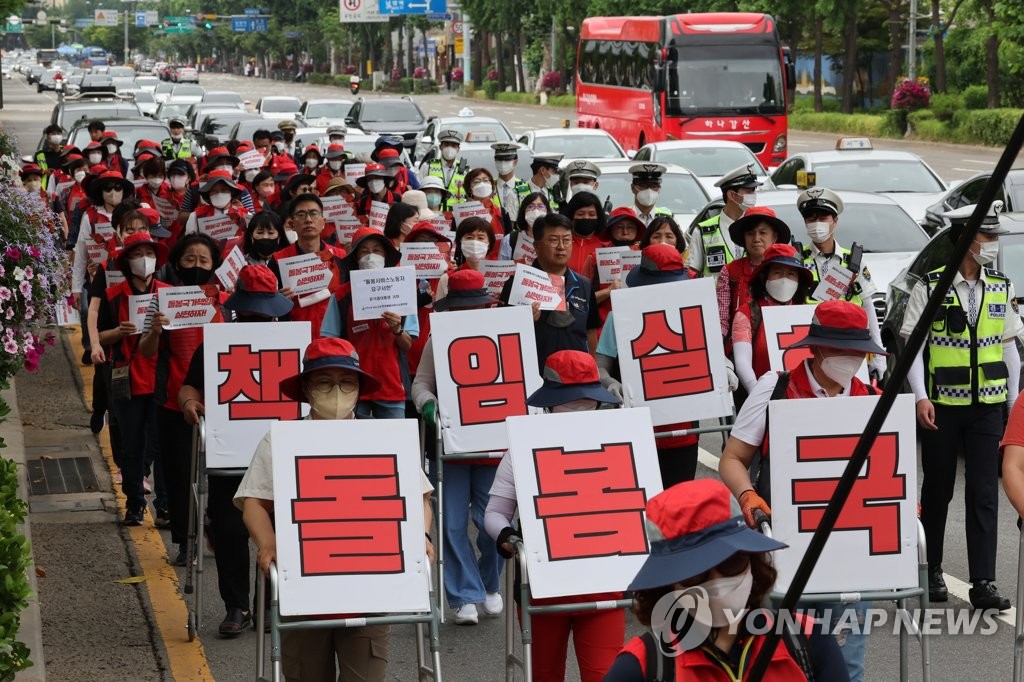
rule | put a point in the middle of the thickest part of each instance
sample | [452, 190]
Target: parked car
[224, 98]
[185, 74]
[681, 191]
[279, 107]
[478, 132]
[709, 160]
[969, 191]
[187, 93]
[321, 113]
[574, 143]
[86, 108]
[393, 115]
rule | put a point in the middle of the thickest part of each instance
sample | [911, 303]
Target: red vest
[738, 273]
[378, 354]
[758, 341]
[177, 346]
[316, 312]
[143, 370]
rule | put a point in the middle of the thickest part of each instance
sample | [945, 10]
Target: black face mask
[264, 247]
[585, 227]
[288, 137]
[194, 276]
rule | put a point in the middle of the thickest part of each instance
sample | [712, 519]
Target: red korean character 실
[673, 364]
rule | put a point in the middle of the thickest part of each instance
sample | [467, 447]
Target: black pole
[892, 388]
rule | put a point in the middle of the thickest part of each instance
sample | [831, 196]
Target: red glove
[750, 501]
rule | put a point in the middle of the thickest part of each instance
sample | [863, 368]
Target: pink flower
[30, 312]
[26, 289]
[28, 272]
[5, 294]
[10, 313]
[13, 253]
[11, 347]
[34, 252]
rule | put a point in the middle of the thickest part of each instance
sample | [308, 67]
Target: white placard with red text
[430, 259]
[874, 543]
[582, 482]
[469, 209]
[345, 229]
[243, 372]
[784, 325]
[378, 214]
[609, 263]
[671, 357]
[628, 260]
[834, 284]
[354, 171]
[217, 227]
[138, 311]
[390, 290]
[349, 517]
[229, 270]
[496, 273]
[168, 212]
[66, 314]
[114, 277]
[531, 285]
[97, 252]
[525, 251]
[486, 366]
[336, 208]
[304, 274]
[189, 306]
[252, 159]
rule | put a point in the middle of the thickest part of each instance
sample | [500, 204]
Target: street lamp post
[912, 43]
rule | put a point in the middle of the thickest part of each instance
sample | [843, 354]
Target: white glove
[730, 374]
[877, 366]
[615, 388]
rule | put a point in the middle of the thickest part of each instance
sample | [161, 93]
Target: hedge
[991, 127]
[562, 101]
[846, 124]
[986, 126]
[517, 97]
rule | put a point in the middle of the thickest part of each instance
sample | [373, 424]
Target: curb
[31, 629]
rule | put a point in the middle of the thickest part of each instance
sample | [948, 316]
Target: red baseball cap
[466, 289]
[257, 292]
[328, 352]
[659, 263]
[841, 325]
[570, 375]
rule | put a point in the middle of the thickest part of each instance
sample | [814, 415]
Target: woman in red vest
[220, 195]
[699, 550]
[780, 279]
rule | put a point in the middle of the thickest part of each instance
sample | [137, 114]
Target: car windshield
[144, 97]
[873, 175]
[221, 124]
[164, 88]
[169, 109]
[578, 146]
[480, 131]
[280, 106]
[708, 161]
[327, 110]
[725, 79]
[244, 130]
[97, 111]
[122, 72]
[396, 111]
[680, 193]
[128, 133]
[222, 98]
[187, 91]
[879, 228]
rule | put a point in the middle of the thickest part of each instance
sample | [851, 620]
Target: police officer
[963, 380]
[177, 146]
[48, 156]
[820, 209]
[582, 176]
[336, 133]
[451, 168]
[712, 252]
[646, 187]
[509, 189]
[545, 177]
[288, 129]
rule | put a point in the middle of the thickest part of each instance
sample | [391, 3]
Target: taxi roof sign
[848, 143]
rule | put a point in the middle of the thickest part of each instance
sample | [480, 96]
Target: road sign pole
[467, 49]
[126, 47]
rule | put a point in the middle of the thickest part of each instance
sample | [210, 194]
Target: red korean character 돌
[490, 378]
[874, 502]
[257, 376]
[349, 512]
[673, 364]
[590, 502]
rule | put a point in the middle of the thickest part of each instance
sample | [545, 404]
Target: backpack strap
[760, 474]
[659, 667]
[755, 324]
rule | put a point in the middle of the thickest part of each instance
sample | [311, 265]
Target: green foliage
[894, 123]
[14, 559]
[320, 79]
[517, 97]
[845, 124]
[562, 101]
[491, 89]
[975, 97]
[944, 105]
[986, 126]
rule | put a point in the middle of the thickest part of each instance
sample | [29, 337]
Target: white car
[279, 108]
[681, 191]
[187, 92]
[574, 143]
[709, 160]
[322, 113]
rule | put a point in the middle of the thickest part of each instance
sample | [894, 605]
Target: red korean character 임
[490, 377]
[349, 512]
[874, 502]
[673, 364]
[257, 376]
[589, 502]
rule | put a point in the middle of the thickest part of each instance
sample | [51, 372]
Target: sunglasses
[732, 566]
[112, 188]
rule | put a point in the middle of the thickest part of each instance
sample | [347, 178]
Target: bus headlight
[780, 144]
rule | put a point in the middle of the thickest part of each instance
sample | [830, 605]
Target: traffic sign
[439, 16]
[249, 24]
[144, 18]
[14, 24]
[388, 7]
[105, 17]
[251, 11]
[457, 28]
[360, 11]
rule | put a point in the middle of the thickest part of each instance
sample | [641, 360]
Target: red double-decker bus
[688, 76]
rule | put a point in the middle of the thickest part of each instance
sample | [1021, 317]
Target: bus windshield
[725, 80]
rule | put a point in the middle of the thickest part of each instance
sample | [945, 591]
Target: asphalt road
[475, 653]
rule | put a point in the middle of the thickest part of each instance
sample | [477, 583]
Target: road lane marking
[961, 590]
[187, 659]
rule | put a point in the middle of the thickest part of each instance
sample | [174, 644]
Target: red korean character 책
[673, 364]
[874, 502]
[490, 378]
[349, 512]
[590, 503]
[257, 376]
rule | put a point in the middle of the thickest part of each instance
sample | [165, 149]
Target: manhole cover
[61, 475]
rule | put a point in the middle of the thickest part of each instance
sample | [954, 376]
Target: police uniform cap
[505, 151]
[989, 224]
[581, 168]
[450, 135]
[287, 124]
[744, 176]
[176, 122]
[647, 172]
[819, 199]
[337, 129]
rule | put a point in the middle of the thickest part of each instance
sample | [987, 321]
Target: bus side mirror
[659, 78]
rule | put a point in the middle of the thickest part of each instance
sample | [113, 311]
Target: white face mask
[95, 158]
[551, 181]
[220, 199]
[578, 405]
[505, 167]
[581, 187]
[533, 214]
[449, 153]
[841, 368]
[111, 148]
[143, 267]
[80, 175]
[179, 181]
[55, 139]
[154, 183]
[291, 235]
[371, 261]
[748, 200]
[279, 146]
[334, 164]
[727, 597]
[482, 190]
[473, 249]
[819, 232]
[782, 289]
[334, 405]
[375, 186]
[312, 163]
[433, 200]
[175, 138]
[32, 186]
[647, 197]
[250, 175]
[987, 253]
